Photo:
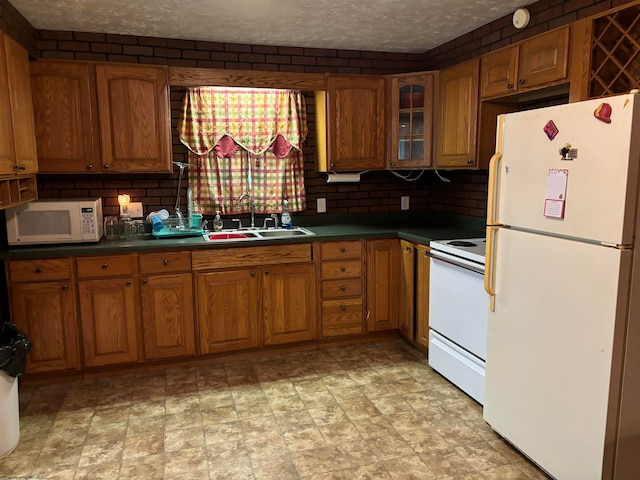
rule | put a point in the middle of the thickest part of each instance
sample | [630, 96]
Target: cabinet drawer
[349, 287]
[342, 317]
[164, 262]
[341, 269]
[39, 270]
[250, 256]
[336, 250]
[106, 266]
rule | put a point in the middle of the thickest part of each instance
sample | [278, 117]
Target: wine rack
[615, 53]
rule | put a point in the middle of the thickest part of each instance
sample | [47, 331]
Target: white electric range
[458, 313]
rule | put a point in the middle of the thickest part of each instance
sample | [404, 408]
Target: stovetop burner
[461, 243]
[469, 248]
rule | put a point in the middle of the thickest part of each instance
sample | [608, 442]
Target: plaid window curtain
[231, 130]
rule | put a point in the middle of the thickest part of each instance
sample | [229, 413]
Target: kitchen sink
[284, 233]
[243, 235]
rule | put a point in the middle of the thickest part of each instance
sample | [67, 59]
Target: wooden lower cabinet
[109, 319]
[341, 293]
[42, 301]
[422, 295]
[46, 312]
[289, 303]
[167, 316]
[382, 284]
[406, 310]
[228, 304]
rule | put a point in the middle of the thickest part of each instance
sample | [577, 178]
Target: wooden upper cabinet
[135, 130]
[66, 119]
[530, 64]
[355, 124]
[6, 131]
[410, 120]
[20, 157]
[458, 119]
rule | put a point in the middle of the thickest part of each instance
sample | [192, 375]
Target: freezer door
[553, 349]
[602, 180]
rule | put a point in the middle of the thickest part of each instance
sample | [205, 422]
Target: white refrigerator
[563, 274]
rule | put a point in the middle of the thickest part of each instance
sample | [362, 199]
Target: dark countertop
[419, 228]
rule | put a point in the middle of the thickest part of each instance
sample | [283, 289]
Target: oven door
[458, 303]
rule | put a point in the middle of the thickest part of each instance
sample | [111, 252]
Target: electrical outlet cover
[321, 205]
[404, 203]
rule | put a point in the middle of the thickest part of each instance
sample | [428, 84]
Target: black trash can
[14, 347]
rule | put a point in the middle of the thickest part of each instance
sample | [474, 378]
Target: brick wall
[377, 192]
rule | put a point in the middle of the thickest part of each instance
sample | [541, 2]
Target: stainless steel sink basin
[227, 236]
[244, 235]
[284, 233]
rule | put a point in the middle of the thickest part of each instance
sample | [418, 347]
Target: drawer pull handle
[104, 266]
[144, 281]
[521, 81]
[509, 86]
[106, 165]
[65, 287]
[343, 308]
[343, 249]
[128, 283]
[266, 272]
[90, 166]
[253, 274]
[342, 269]
[165, 262]
[343, 289]
[38, 270]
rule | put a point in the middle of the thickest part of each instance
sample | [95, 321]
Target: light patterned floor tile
[371, 411]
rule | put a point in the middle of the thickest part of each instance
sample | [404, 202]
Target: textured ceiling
[377, 25]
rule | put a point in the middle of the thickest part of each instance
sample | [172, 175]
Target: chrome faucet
[273, 217]
[251, 207]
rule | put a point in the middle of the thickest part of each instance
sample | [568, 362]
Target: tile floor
[374, 411]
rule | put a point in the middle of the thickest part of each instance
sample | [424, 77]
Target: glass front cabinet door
[411, 126]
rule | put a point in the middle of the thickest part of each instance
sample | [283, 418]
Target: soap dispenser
[285, 217]
[217, 222]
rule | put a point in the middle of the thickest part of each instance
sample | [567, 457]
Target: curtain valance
[225, 119]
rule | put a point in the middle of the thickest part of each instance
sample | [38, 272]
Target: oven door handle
[451, 261]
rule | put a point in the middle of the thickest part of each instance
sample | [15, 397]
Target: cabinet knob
[90, 166]
[393, 164]
[343, 289]
[343, 308]
[104, 266]
[266, 272]
[408, 249]
[38, 270]
[342, 269]
[165, 262]
[521, 81]
[332, 165]
[342, 250]
[106, 165]
[253, 274]
[469, 162]
[65, 287]
[144, 281]
[509, 86]
[19, 167]
[128, 283]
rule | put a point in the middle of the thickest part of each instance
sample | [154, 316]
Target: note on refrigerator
[554, 202]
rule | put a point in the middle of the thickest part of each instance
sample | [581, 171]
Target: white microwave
[55, 221]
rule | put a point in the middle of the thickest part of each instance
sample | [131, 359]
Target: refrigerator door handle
[494, 164]
[489, 269]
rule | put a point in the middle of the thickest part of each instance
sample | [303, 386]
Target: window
[244, 141]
